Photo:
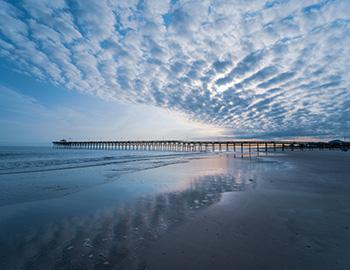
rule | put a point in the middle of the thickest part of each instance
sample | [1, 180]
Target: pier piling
[197, 146]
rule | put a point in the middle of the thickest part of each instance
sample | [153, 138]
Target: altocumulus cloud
[268, 67]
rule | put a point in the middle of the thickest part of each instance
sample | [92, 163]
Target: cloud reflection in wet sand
[117, 239]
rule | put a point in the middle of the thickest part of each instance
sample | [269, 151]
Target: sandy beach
[288, 210]
[296, 217]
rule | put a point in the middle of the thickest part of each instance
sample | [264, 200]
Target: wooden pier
[199, 146]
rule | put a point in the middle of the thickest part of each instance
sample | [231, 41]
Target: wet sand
[296, 217]
[215, 211]
[109, 219]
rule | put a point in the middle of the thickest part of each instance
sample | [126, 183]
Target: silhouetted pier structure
[199, 146]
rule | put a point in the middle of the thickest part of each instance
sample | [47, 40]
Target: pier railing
[196, 146]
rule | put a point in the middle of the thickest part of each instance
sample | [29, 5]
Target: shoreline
[213, 211]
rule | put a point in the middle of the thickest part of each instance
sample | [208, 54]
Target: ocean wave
[43, 165]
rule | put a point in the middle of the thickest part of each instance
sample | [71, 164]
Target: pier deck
[198, 146]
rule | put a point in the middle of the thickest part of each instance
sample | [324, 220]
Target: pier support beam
[194, 146]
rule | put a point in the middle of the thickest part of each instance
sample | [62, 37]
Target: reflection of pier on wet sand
[199, 146]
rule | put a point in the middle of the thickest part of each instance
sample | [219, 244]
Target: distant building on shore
[336, 142]
[343, 145]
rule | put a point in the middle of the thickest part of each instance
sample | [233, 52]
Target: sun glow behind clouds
[253, 67]
[25, 120]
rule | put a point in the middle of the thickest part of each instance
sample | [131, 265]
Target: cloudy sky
[174, 69]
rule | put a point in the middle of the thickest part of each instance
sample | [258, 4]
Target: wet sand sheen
[296, 218]
[108, 225]
[215, 212]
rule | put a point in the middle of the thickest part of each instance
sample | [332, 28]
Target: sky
[159, 69]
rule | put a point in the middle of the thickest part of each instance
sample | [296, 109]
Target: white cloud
[252, 66]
